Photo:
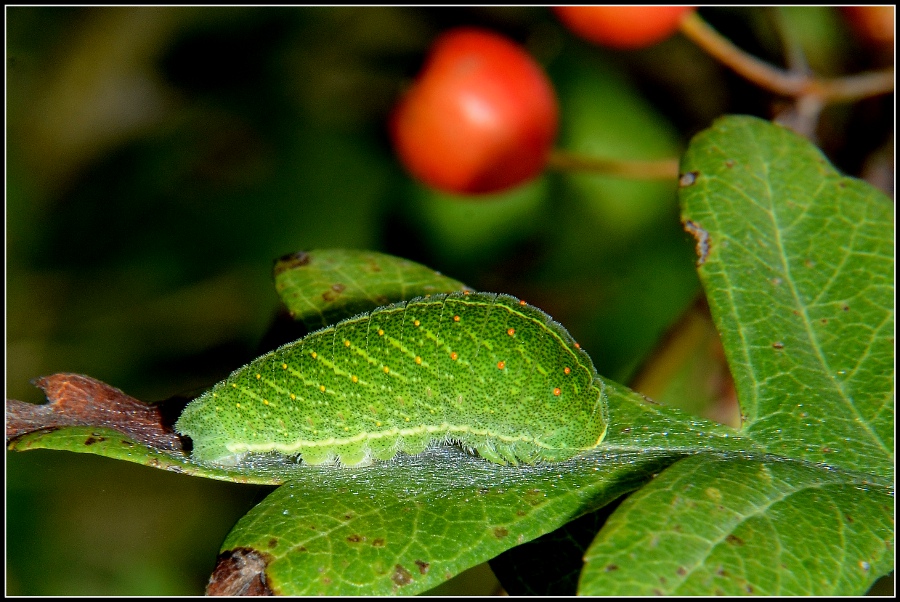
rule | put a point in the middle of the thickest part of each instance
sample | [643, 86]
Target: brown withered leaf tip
[77, 400]
[239, 572]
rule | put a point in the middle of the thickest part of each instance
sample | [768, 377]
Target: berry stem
[765, 75]
[662, 169]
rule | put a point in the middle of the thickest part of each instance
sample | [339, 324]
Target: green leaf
[321, 287]
[799, 276]
[708, 526]
[410, 526]
[797, 263]
[111, 443]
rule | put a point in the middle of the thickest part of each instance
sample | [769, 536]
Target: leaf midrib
[807, 324]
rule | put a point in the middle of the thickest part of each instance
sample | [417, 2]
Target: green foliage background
[160, 159]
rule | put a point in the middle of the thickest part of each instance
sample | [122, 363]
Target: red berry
[622, 26]
[875, 24]
[481, 116]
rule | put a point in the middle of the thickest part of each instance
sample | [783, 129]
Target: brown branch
[769, 77]
[662, 169]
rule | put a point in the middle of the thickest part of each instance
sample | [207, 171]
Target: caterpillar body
[485, 370]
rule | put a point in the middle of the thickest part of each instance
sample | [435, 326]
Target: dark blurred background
[160, 159]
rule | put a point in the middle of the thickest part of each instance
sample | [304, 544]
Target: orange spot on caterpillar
[416, 322]
[387, 370]
[380, 332]
[466, 292]
[557, 391]
[522, 303]
[266, 401]
[258, 377]
[284, 366]
[314, 355]
[354, 378]
[501, 365]
[233, 386]
[453, 355]
[322, 388]
[456, 318]
[418, 360]
[238, 405]
[293, 396]
[346, 343]
[577, 346]
[511, 331]
[567, 370]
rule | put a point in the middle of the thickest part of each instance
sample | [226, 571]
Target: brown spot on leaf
[334, 293]
[849, 518]
[778, 345]
[500, 532]
[378, 543]
[611, 567]
[688, 179]
[729, 163]
[701, 237]
[734, 540]
[681, 571]
[95, 438]
[291, 261]
[76, 400]
[423, 566]
[355, 538]
[401, 576]
[273, 543]
[240, 572]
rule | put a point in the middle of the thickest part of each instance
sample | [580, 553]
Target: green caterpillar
[487, 371]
